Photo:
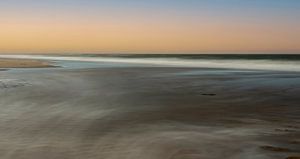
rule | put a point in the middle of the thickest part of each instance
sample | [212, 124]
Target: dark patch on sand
[293, 157]
[285, 130]
[209, 94]
[276, 149]
[293, 127]
[295, 142]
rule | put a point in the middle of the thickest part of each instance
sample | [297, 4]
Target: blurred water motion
[147, 113]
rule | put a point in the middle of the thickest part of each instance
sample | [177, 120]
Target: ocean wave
[274, 65]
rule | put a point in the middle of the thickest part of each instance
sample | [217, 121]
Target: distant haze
[149, 26]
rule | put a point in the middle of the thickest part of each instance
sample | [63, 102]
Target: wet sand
[23, 63]
[149, 113]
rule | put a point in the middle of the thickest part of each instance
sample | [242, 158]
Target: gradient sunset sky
[149, 26]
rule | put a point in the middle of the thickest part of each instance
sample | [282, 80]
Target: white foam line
[175, 62]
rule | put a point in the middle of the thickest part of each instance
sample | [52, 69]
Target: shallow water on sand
[149, 113]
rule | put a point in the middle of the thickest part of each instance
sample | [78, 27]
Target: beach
[145, 112]
[23, 63]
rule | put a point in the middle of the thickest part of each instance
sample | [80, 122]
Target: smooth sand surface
[149, 113]
[23, 63]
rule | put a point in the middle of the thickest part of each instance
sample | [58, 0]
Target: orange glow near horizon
[142, 34]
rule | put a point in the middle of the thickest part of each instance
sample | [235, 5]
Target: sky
[149, 26]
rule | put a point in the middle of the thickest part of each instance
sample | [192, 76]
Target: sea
[271, 62]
